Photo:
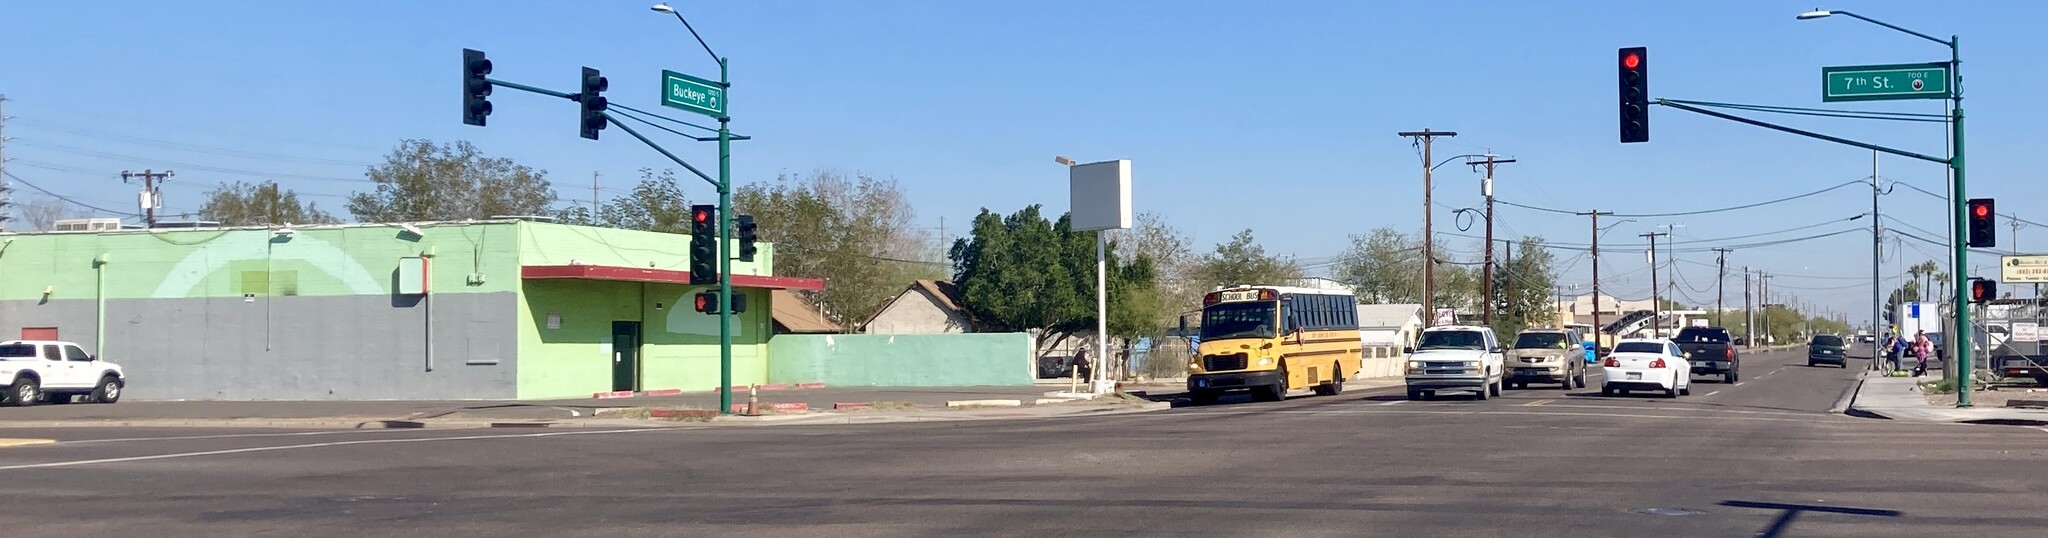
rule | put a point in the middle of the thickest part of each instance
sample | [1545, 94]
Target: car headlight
[1471, 364]
[1194, 365]
[1266, 361]
[1414, 366]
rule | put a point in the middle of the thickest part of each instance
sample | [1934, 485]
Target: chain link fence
[2008, 343]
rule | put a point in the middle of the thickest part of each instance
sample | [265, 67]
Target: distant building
[1389, 324]
[926, 307]
[794, 315]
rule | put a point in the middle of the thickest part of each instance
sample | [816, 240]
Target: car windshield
[1452, 340]
[1640, 347]
[1542, 341]
[1238, 320]
[17, 351]
[1698, 335]
[1827, 340]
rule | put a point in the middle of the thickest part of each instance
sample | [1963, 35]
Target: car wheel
[1809, 363]
[108, 391]
[1333, 388]
[1730, 378]
[1200, 397]
[1607, 391]
[1415, 395]
[25, 392]
[1580, 380]
[1274, 392]
[1495, 390]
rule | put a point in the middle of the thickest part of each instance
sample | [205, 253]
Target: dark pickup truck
[1710, 350]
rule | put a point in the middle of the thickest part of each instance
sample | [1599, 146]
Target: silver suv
[1547, 356]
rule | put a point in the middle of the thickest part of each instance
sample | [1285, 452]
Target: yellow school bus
[1272, 339]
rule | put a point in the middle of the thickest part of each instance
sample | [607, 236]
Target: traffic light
[745, 225]
[703, 244]
[1983, 289]
[1635, 94]
[1982, 233]
[707, 302]
[593, 102]
[476, 90]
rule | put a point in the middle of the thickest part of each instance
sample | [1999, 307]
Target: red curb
[798, 407]
[842, 406]
[613, 395]
[810, 385]
[662, 392]
[776, 386]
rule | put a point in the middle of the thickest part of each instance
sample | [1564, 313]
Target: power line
[190, 166]
[18, 179]
[196, 148]
[1690, 213]
[1944, 198]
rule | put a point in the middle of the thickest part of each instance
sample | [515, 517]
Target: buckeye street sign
[1884, 82]
[2023, 269]
[693, 94]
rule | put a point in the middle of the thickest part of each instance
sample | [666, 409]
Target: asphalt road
[1763, 457]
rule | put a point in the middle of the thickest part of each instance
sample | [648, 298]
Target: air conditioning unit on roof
[86, 225]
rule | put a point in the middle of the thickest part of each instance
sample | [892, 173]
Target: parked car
[52, 371]
[1646, 364]
[1455, 358]
[1827, 349]
[1710, 351]
[1547, 356]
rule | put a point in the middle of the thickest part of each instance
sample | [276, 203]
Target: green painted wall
[903, 360]
[559, 244]
[679, 346]
[314, 261]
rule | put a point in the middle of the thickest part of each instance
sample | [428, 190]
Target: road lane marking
[74, 463]
[5, 443]
[1739, 383]
[1536, 403]
[1811, 418]
[1395, 402]
[228, 436]
[1712, 393]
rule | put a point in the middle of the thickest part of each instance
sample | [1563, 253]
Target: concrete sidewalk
[870, 401]
[1901, 398]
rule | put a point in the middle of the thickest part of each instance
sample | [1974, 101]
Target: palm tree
[1925, 272]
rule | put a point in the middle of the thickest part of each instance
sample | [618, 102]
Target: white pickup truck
[52, 371]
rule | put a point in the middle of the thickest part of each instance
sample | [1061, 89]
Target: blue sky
[1277, 116]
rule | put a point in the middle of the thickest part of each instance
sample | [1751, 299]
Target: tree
[1242, 261]
[1173, 261]
[1382, 267]
[1529, 278]
[258, 204]
[421, 181]
[1024, 273]
[656, 204]
[858, 234]
[42, 214]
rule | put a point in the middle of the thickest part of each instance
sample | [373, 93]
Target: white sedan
[1646, 364]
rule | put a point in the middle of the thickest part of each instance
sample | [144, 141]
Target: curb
[850, 406]
[612, 395]
[662, 392]
[1848, 399]
[984, 403]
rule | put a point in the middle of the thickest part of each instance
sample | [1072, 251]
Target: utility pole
[1507, 280]
[1720, 284]
[1597, 327]
[1656, 299]
[1876, 267]
[6, 199]
[150, 199]
[1748, 312]
[1763, 293]
[1671, 250]
[1486, 189]
[1427, 137]
[593, 197]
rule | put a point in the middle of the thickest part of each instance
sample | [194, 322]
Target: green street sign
[693, 94]
[1884, 82]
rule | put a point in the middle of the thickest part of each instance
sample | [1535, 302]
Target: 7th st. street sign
[693, 94]
[1884, 82]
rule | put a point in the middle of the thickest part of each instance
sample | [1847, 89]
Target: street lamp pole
[1957, 199]
[725, 220]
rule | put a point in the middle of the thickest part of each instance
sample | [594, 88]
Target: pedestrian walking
[1922, 348]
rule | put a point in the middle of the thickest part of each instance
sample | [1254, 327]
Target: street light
[725, 220]
[1957, 193]
[663, 7]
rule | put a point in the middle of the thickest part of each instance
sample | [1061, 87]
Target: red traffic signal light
[1635, 94]
[1983, 289]
[707, 302]
[1983, 231]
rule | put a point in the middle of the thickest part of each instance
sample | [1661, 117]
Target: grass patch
[1938, 387]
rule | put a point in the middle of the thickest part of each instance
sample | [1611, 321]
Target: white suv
[53, 371]
[1455, 358]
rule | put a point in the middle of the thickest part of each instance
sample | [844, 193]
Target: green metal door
[625, 355]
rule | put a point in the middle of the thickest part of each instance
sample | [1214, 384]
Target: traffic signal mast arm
[1800, 132]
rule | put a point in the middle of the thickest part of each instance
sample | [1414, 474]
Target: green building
[501, 309]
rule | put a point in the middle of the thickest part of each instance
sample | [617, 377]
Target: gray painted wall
[296, 348]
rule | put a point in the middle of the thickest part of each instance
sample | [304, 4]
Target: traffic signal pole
[1962, 270]
[724, 246]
